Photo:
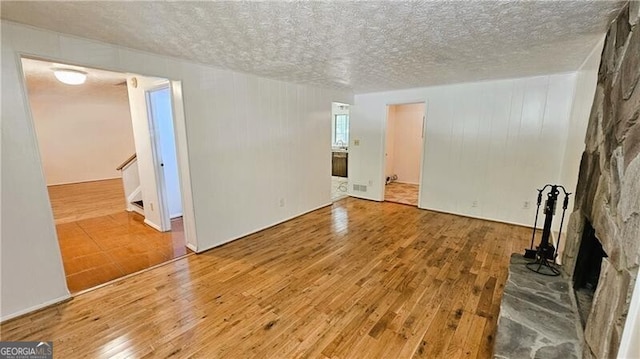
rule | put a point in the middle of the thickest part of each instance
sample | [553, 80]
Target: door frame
[348, 145]
[182, 156]
[179, 122]
[422, 145]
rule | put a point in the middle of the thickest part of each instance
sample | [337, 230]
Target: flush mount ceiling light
[70, 77]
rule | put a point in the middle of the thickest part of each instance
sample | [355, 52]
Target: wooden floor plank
[358, 279]
[76, 201]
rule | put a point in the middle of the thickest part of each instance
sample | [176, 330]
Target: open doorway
[403, 152]
[89, 155]
[339, 150]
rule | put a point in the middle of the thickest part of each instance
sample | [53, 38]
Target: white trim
[36, 307]
[365, 198]
[334, 200]
[423, 136]
[134, 208]
[152, 225]
[192, 247]
[184, 171]
[476, 217]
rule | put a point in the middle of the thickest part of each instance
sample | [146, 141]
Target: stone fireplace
[607, 200]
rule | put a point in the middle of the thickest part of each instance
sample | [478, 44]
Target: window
[341, 130]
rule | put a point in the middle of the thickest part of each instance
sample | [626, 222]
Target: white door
[161, 118]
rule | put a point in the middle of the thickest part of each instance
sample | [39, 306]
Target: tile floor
[98, 250]
[401, 193]
[338, 188]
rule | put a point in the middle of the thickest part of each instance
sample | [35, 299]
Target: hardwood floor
[77, 201]
[358, 279]
[404, 193]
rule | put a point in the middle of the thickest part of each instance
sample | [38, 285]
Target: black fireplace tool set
[545, 254]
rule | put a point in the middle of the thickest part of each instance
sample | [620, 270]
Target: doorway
[160, 115]
[340, 117]
[84, 131]
[404, 140]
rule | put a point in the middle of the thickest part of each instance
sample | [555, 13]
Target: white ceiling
[100, 84]
[364, 46]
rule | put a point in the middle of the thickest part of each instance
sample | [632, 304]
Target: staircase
[131, 183]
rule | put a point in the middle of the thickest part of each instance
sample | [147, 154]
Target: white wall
[252, 142]
[31, 273]
[404, 133]
[82, 137]
[493, 142]
[585, 89]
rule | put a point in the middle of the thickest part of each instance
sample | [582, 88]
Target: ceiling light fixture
[70, 77]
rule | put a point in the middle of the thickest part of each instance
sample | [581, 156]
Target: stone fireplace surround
[608, 191]
[607, 197]
[586, 271]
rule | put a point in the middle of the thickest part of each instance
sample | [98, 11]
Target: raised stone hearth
[538, 317]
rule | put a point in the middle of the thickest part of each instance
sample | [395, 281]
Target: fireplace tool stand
[545, 254]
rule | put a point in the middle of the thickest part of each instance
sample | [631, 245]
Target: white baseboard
[133, 208]
[35, 307]
[152, 225]
[192, 247]
[339, 198]
[476, 217]
[367, 198]
[262, 228]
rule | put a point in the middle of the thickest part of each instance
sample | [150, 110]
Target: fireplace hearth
[538, 318]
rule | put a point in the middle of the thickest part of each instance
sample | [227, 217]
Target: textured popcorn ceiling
[364, 46]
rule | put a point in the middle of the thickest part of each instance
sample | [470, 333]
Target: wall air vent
[360, 188]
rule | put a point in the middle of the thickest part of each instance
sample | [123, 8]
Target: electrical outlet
[151, 205]
[281, 202]
[474, 204]
[356, 142]
[526, 205]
